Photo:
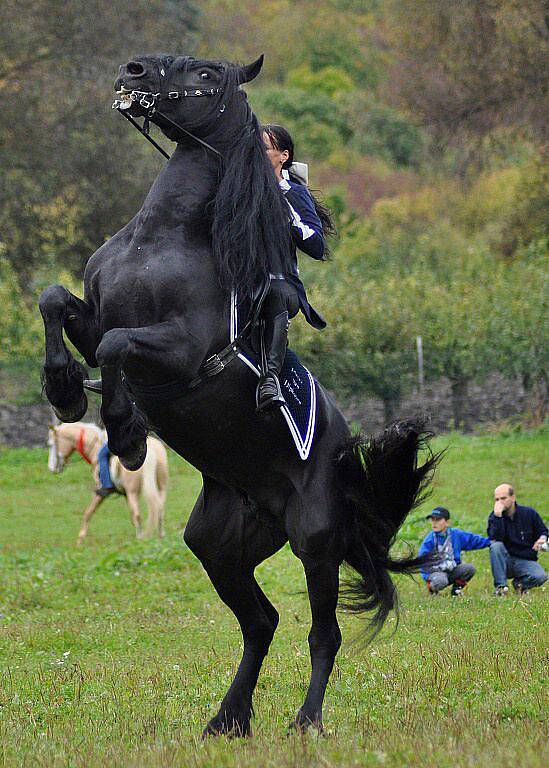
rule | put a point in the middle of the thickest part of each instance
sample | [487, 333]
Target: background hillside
[423, 127]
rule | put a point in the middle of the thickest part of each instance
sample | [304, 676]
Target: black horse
[156, 307]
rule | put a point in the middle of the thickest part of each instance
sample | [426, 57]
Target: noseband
[149, 100]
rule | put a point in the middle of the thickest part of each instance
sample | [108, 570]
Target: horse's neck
[185, 184]
[86, 436]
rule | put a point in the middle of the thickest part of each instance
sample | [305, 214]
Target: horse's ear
[250, 71]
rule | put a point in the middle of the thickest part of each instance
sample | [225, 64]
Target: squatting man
[517, 534]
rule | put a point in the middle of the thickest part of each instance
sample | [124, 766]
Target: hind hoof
[133, 460]
[69, 415]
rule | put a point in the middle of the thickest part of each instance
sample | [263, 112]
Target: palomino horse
[156, 317]
[151, 479]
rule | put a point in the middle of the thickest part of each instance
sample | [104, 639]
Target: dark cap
[439, 513]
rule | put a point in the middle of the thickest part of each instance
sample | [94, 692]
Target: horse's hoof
[133, 460]
[302, 724]
[69, 415]
[219, 726]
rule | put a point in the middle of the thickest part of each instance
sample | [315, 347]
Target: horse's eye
[205, 76]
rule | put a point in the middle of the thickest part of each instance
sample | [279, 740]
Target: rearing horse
[156, 307]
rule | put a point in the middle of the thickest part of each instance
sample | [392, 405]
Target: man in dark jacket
[517, 534]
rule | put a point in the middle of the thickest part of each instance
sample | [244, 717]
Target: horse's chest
[138, 290]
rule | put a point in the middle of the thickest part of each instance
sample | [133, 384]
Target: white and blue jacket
[307, 235]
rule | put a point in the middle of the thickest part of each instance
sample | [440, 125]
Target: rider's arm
[306, 226]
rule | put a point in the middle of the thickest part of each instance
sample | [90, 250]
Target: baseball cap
[440, 513]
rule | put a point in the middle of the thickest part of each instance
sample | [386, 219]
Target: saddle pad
[297, 384]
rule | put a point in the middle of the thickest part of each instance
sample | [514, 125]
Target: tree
[471, 67]
[60, 146]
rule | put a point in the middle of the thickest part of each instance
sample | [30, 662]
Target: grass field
[117, 654]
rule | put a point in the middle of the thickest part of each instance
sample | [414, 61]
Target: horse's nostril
[135, 68]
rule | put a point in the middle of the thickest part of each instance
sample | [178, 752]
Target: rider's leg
[281, 304]
[62, 375]
[105, 481]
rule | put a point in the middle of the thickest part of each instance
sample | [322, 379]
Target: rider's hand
[539, 543]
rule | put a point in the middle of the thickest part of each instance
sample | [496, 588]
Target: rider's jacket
[307, 235]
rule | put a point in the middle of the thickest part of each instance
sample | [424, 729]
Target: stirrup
[94, 385]
[270, 400]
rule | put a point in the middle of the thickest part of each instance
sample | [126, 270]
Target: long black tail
[381, 482]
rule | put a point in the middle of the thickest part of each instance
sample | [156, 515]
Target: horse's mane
[250, 227]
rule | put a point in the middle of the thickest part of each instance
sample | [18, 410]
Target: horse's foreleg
[62, 374]
[88, 512]
[133, 503]
[134, 350]
[125, 424]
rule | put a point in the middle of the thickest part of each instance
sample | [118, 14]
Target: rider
[310, 222]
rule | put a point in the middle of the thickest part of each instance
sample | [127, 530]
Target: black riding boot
[275, 340]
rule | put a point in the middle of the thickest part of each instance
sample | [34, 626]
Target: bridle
[149, 100]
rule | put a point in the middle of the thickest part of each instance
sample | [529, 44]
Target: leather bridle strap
[148, 101]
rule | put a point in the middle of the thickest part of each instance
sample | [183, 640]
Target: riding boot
[94, 385]
[275, 340]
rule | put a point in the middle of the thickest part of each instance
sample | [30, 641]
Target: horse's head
[189, 92]
[59, 450]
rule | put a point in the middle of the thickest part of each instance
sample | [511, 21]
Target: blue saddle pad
[298, 388]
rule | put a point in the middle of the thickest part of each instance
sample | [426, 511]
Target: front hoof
[133, 460]
[75, 413]
[232, 727]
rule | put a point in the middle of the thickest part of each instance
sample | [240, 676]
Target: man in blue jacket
[448, 543]
[518, 533]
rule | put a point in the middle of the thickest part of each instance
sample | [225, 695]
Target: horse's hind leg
[62, 375]
[230, 544]
[313, 536]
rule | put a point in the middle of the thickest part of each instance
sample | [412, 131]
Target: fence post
[419, 345]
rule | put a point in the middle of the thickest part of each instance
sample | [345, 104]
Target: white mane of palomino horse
[151, 479]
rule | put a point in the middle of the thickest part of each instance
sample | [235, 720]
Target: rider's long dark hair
[281, 139]
[250, 228]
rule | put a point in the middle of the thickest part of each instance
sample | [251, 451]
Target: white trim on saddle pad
[303, 445]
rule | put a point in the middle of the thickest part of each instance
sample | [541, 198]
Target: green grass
[117, 654]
